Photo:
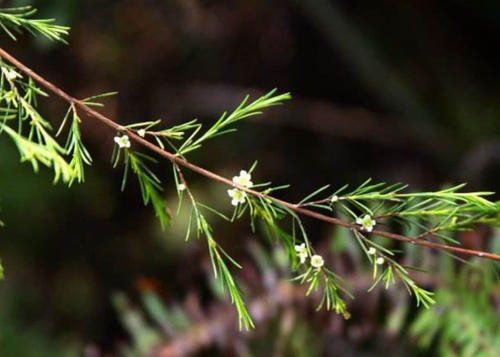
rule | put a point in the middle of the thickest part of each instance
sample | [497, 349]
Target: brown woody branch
[211, 175]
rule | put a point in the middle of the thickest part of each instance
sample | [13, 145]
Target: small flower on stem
[122, 141]
[244, 179]
[10, 74]
[366, 223]
[317, 261]
[334, 199]
[181, 187]
[301, 252]
[380, 261]
[372, 251]
[141, 133]
[237, 196]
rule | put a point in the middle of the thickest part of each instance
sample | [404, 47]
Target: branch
[213, 176]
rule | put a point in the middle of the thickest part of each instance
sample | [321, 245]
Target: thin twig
[213, 176]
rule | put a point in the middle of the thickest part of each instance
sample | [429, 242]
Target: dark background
[397, 91]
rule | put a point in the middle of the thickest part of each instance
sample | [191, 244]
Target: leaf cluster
[16, 19]
[33, 134]
[223, 125]
[437, 213]
[149, 183]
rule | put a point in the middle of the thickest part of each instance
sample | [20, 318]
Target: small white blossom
[122, 141]
[244, 179]
[301, 252]
[141, 132]
[372, 251]
[10, 74]
[237, 196]
[317, 261]
[334, 198]
[181, 187]
[380, 261]
[366, 223]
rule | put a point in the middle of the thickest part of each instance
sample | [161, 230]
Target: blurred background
[397, 91]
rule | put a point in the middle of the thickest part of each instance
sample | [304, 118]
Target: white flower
[141, 132]
[366, 223]
[237, 196]
[181, 187]
[334, 198]
[10, 74]
[301, 252]
[317, 261]
[372, 251]
[244, 180]
[122, 141]
[380, 261]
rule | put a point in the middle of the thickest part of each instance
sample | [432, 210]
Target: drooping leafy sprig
[32, 133]
[149, 183]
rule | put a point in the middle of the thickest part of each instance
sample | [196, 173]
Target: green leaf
[16, 19]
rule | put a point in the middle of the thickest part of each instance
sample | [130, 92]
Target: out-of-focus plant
[467, 321]
[464, 323]
[176, 329]
[431, 215]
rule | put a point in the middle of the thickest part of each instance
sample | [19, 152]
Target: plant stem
[213, 176]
